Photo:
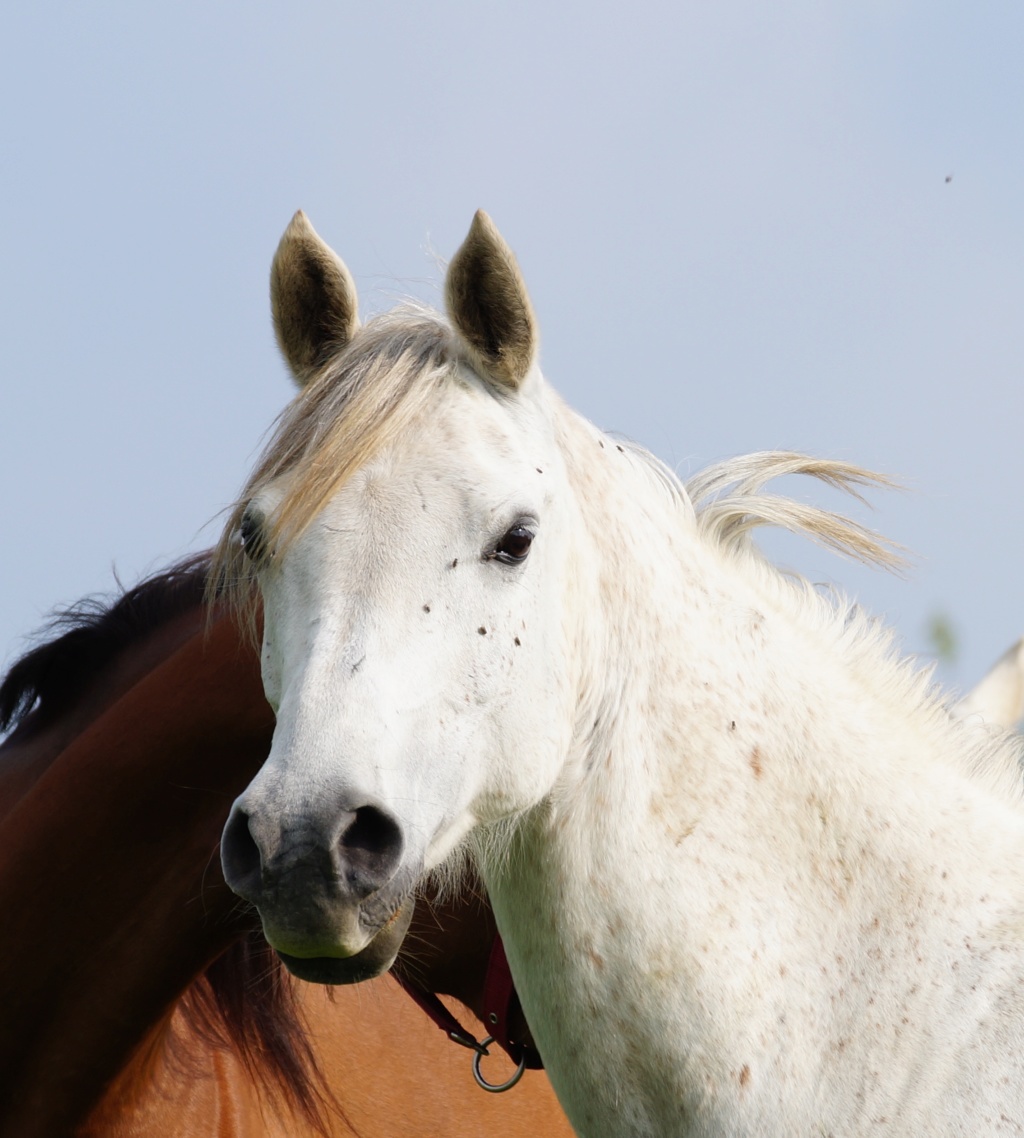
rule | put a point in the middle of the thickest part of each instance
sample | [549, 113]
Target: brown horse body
[122, 1015]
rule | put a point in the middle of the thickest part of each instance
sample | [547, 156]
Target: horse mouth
[376, 958]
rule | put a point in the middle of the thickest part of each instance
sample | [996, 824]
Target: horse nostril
[240, 856]
[370, 849]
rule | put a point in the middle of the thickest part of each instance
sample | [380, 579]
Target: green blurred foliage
[943, 640]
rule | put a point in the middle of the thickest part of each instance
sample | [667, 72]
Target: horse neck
[26, 754]
[700, 662]
[166, 760]
[733, 753]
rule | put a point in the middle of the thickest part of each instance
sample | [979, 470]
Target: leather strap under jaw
[500, 999]
[440, 1015]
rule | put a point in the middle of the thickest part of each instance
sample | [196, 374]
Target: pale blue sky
[734, 220]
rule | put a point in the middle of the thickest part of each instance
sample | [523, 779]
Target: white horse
[752, 877]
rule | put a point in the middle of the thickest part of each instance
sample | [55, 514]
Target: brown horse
[135, 998]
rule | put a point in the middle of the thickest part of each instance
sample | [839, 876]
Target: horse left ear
[489, 307]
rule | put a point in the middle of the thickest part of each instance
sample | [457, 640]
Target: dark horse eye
[252, 536]
[515, 545]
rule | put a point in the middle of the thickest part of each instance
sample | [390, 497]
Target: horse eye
[252, 536]
[515, 545]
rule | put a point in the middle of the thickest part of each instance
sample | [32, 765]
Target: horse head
[411, 536]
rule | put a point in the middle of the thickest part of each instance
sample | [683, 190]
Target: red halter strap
[499, 999]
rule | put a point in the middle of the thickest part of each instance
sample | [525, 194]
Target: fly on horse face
[751, 875]
[136, 997]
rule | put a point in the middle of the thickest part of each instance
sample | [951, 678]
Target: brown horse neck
[104, 941]
[26, 753]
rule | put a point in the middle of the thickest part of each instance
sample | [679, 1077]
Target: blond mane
[728, 502]
[352, 409]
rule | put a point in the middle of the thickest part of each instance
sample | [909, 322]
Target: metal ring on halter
[495, 1088]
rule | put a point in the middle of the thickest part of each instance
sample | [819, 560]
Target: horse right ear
[313, 300]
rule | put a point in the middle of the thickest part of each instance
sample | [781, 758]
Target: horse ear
[489, 307]
[313, 300]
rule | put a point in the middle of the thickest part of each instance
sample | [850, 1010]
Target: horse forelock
[49, 679]
[360, 401]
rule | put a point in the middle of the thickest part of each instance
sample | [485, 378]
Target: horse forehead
[412, 493]
[397, 519]
[474, 426]
[462, 461]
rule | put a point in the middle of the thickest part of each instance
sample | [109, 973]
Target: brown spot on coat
[755, 762]
[482, 630]
[744, 1075]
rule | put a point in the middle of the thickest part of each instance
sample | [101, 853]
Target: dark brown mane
[86, 637]
[245, 1002]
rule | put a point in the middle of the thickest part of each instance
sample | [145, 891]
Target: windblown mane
[728, 503]
[372, 389]
[244, 1001]
[366, 395]
[87, 637]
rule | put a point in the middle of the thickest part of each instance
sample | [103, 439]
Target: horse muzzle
[330, 888]
[375, 958]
